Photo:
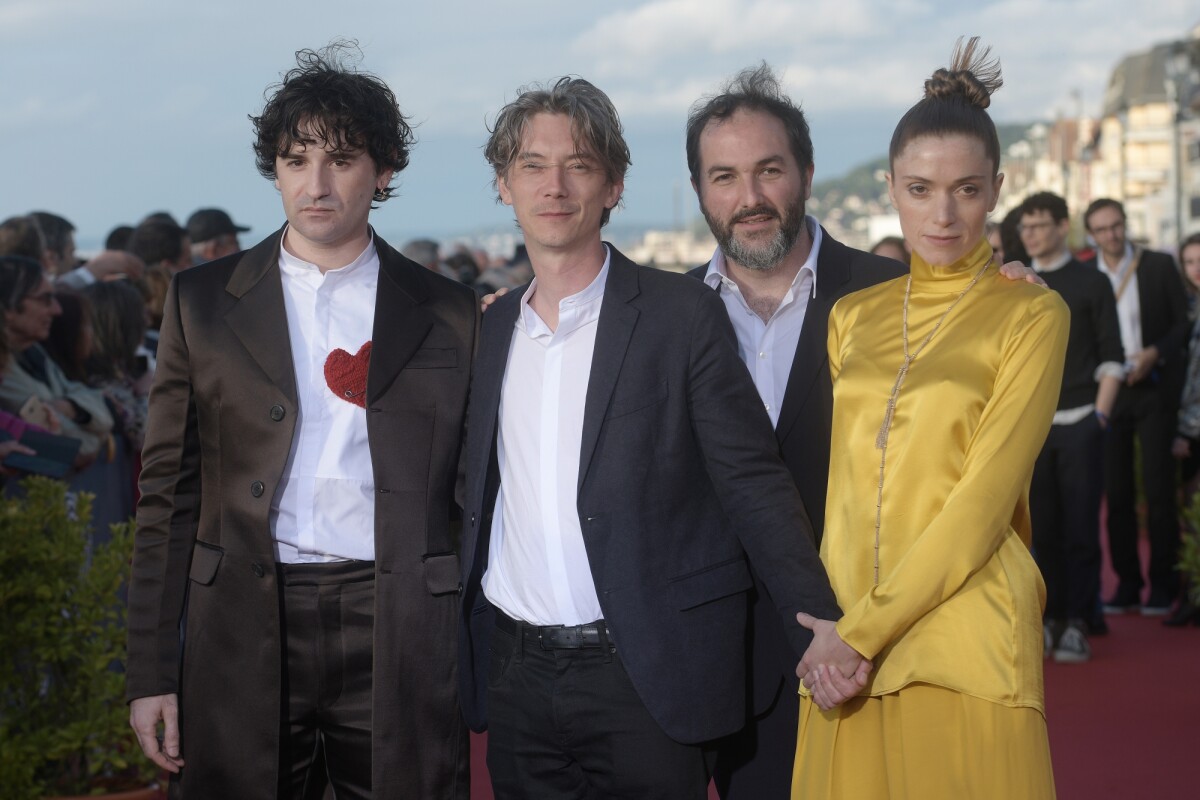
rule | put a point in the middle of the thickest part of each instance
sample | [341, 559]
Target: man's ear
[502, 188]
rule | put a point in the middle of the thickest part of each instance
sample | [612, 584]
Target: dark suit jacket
[1163, 303]
[678, 473]
[804, 429]
[222, 414]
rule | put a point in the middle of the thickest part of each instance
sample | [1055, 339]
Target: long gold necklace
[881, 441]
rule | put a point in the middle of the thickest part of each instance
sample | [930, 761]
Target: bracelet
[1102, 418]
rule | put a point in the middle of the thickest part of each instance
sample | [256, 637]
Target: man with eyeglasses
[1068, 478]
[1152, 310]
[33, 385]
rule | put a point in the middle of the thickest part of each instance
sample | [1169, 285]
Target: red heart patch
[346, 374]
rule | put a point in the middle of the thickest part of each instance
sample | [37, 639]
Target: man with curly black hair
[297, 524]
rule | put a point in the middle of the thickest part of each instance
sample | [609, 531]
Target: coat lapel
[401, 320]
[258, 317]
[613, 332]
[833, 271]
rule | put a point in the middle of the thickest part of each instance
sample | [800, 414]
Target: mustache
[757, 211]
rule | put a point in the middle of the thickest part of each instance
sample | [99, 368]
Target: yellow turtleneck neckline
[953, 277]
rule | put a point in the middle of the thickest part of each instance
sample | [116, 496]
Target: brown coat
[222, 416]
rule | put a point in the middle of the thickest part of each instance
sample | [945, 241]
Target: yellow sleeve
[1000, 455]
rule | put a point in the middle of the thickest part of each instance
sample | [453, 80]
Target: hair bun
[973, 75]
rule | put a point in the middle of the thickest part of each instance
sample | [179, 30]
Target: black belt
[557, 637]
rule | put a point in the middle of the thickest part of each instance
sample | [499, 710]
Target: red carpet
[1124, 726]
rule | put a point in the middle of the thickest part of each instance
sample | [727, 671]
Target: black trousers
[1064, 503]
[756, 762]
[568, 723]
[328, 613]
[1141, 415]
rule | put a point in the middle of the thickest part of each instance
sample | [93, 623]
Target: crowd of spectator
[80, 336]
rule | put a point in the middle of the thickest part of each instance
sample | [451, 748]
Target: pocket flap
[205, 560]
[433, 358]
[442, 573]
[711, 583]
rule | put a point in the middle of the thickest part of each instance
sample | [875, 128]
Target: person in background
[892, 247]
[118, 238]
[1186, 446]
[70, 341]
[1152, 309]
[114, 366]
[161, 244]
[59, 235]
[992, 232]
[21, 236]
[1068, 478]
[213, 234]
[32, 378]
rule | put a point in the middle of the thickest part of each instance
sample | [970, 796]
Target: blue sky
[115, 109]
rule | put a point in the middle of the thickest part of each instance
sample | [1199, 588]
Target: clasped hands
[831, 669]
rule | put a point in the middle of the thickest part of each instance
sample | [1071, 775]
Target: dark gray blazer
[680, 482]
[803, 431]
[222, 414]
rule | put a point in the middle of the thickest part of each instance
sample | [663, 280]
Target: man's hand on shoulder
[1016, 271]
[145, 714]
[488, 299]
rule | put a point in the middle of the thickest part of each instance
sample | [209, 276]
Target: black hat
[209, 223]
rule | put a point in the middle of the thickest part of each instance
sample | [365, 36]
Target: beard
[761, 256]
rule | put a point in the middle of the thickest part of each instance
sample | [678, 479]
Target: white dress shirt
[1129, 304]
[324, 509]
[768, 348]
[538, 569]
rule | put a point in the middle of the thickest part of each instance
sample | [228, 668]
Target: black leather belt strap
[557, 637]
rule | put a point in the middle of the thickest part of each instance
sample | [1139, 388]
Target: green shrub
[63, 720]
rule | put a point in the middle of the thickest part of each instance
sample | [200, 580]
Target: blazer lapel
[833, 272]
[259, 318]
[614, 329]
[401, 321]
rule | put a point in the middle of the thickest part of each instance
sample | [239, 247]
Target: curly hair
[325, 99]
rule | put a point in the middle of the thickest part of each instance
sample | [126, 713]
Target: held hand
[488, 299]
[1016, 271]
[145, 714]
[1142, 365]
[830, 688]
[845, 671]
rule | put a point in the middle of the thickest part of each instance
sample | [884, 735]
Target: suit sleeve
[753, 485]
[167, 516]
[995, 472]
[1171, 346]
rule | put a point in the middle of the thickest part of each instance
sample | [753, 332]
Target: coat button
[277, 413]
[258, 569]
[257, 488]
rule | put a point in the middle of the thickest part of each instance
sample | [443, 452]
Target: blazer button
[258, 570]
[277, 413]
[257, 488]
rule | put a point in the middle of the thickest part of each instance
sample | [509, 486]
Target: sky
[112, 110]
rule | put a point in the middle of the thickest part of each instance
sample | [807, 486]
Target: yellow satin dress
[953, 622]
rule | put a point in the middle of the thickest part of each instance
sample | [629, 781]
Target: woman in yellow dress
[945, 383]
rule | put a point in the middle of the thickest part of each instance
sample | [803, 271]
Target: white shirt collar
[298, 266]
[718, 271]
[573, 310]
